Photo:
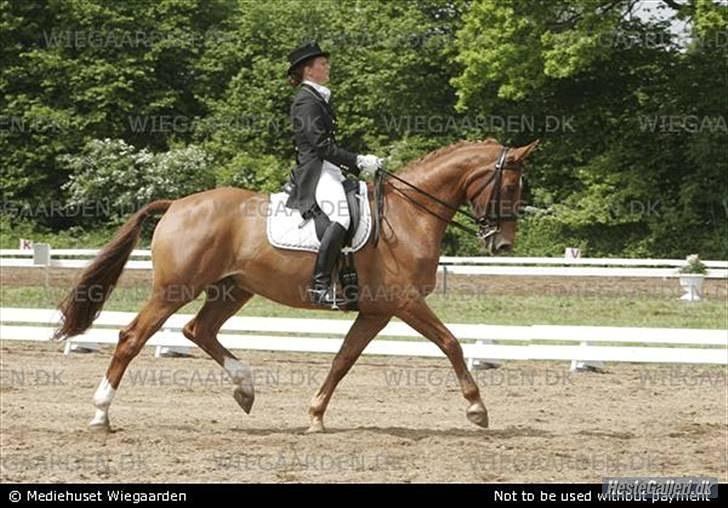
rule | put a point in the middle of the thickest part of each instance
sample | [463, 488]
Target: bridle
[489, 223]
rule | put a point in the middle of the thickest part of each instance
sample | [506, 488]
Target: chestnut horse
[215, 242]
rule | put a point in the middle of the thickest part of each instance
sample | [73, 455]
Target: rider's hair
[296, 76]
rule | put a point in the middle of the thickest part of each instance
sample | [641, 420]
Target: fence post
[162, 351]
[42, 257]
[444, 279]
[586, 365]
[489, 363]
[41, 254]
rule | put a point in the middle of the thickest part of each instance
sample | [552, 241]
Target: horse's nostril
[504, 247]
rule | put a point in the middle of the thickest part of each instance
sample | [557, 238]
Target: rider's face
[318, 70]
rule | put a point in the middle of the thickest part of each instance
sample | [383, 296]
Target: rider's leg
[331, 198]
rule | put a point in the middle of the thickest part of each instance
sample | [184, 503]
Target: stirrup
[325, 297]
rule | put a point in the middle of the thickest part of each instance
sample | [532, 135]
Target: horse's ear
[522, 152]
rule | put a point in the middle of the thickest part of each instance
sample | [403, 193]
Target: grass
[645, 311]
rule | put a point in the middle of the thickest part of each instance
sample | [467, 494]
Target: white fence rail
[527, 266]
[535, 342]
[573, 267]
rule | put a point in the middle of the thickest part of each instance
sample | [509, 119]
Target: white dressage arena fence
[479, 341]
[574, 267]
[42, 256]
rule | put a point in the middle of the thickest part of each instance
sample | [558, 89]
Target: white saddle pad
[283, 231]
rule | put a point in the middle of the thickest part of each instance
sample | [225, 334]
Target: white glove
[368, 164]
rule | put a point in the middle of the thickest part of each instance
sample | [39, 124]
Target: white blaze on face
[102, 400]
[240, 373]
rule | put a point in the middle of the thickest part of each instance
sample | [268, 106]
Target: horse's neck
[441, 179]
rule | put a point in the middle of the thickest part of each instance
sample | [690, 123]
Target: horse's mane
[443, 151]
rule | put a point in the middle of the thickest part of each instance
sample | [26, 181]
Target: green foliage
[385, 57]
[117, 179]
[82, 70]
[637, 166]
[694, 265]
[265, 173]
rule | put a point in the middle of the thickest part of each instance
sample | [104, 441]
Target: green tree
[113, 179]
[637, 165]
[78, 70]
[385, 59]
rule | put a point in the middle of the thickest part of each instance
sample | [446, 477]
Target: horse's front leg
[364, 329]
[419, 316]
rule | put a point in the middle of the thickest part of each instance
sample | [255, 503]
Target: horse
[215, 242]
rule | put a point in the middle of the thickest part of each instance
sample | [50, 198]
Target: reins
[480, 221]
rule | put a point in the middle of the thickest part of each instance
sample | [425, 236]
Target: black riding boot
[331, 243]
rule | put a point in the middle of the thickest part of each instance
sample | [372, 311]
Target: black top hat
[302, 53]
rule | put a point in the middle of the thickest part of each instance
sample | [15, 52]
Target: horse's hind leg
[155, 312]
[223, 300]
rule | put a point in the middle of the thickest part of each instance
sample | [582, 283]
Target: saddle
[289, 229]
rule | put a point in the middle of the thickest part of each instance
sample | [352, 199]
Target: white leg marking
[102, 400]
[240, 374]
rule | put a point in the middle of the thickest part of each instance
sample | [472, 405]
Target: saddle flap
[285, 230]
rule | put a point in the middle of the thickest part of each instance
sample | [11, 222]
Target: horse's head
[495, 195]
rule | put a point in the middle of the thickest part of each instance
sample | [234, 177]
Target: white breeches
[330, 195]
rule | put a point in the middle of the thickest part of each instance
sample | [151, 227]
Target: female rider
[317, 178]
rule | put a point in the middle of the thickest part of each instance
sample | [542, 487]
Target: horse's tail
[81, 306]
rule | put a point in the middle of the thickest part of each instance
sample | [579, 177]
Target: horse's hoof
[244, 400]
[99, 426]
[317, 427]
[478, 415]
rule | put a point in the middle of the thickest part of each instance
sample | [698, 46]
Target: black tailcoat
[314, 125]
